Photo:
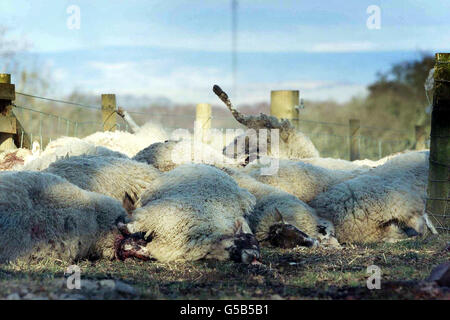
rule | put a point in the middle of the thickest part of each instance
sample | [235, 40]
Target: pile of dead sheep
[119, 195]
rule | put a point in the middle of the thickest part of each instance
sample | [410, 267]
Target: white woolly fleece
[169, 154]
[362, 208]
[67, 147]
[303, 180]
[189, 211]
[268, 200]
[111, 176]
[42, 216]
[129, 143]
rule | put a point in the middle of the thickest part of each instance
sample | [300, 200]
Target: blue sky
[179, 49]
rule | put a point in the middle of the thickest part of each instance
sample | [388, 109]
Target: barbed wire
[161, 114]
[384, 129]
[193, 116]
[41, 112]
[59, 101]
[72, 127]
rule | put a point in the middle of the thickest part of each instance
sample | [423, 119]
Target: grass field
[299, 273]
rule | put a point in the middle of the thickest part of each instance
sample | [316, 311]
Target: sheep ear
[128, 203]
[278, 216]
[238, 227]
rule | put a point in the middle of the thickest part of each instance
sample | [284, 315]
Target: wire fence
[45, 120]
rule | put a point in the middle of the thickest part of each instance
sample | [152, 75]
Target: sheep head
[128, 245]
[285, 235]
[245, 247]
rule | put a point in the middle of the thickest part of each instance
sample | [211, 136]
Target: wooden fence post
[109, 112]
[420, 137]
[8, 125]
[354, 127]
[203, 119]
[439, 173]
[283, 105]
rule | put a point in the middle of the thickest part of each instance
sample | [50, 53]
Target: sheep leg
[128, 119]
[262, 121]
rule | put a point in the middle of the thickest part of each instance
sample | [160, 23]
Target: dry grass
[288, 274]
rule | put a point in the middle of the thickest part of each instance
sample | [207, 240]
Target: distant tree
[8, 51]
[400, 91]
[28, 73]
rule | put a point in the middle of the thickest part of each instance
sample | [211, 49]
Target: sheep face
[244, 248]
[395, 230]
[241, 246]
[129, 245]
[285, 235]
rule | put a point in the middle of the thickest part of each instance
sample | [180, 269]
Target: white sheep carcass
[167, 155]
[301, 179]
[291, 143]
[43, 216]
[384, 204]
[196, 212]
[67, 147]
[15, 159]
[129, 143]
[379, 162]
[280, 218]
[119, 178]
[337, 164]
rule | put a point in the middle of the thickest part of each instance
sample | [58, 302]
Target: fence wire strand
[59, 101]
[366, 142]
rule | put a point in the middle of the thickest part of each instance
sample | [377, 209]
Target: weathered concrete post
[439, 173]
[8, 125]
[283, 105]
[109, 112]
[420, 137]
[203, 119]
[354, 127]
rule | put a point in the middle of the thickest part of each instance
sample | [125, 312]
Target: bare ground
[299, 273]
